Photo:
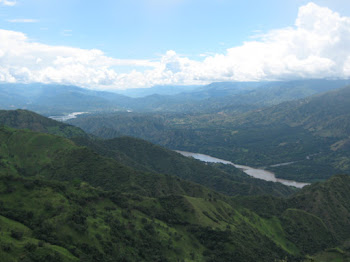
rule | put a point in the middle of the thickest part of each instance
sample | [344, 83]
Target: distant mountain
[156, 90]
[326, 115]
[58, 99]
[227, 97]
[234, 97]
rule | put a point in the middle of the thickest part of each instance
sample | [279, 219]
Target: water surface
[67, 117]
[251, 171]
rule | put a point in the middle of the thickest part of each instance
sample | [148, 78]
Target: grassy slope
[82, 222]
[54, 220]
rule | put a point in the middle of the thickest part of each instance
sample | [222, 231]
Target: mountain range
[107, 185]
[229, 97]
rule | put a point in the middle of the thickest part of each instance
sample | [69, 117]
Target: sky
[120, 44]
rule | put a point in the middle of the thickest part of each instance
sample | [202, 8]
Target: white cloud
[23, 20]
[7, 2]
[317, 46]
[24, 61]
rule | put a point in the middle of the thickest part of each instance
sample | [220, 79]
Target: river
[67, 116]
[253, 172]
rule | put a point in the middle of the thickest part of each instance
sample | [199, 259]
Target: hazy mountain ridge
[236, 97]
[58, 99]
[229, 97]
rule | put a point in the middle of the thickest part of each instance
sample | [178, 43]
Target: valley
[253, 172]
[115, 188]
[174, 131]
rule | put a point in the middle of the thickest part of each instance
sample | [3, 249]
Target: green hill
[23, 119]
[80, 223]
[29, 153]
[329, 201]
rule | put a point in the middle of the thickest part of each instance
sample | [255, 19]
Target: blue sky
[142, 34]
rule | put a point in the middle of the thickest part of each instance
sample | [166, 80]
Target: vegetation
[313, 133]
[145, 157]
[43, 219]
[23, 119]
[125, 199]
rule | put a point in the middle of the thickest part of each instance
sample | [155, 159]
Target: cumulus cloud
[7, 2]
[22, 60]
[317, 46]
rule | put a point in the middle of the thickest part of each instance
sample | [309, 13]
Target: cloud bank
[317, 46]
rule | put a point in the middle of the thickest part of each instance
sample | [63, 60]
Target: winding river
[253, 172]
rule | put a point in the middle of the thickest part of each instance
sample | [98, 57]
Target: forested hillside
[146, 157]
[313, 133]
[110, 212]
